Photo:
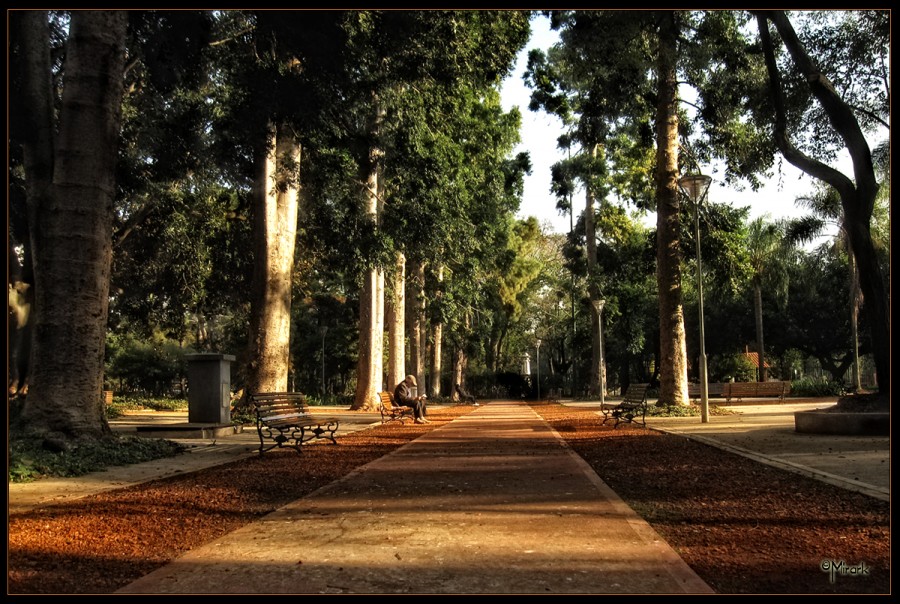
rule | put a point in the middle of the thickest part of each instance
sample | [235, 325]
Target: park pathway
[493, 502]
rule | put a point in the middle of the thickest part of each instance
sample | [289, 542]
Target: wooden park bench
[631, 409]
[713, 390]
[285, 419]
[739, 390]
[391, 412]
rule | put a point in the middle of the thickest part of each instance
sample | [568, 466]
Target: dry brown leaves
[742, 526]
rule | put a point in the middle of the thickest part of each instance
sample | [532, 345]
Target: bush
[149, 367]
[735, 366]
[29, 461]
[816, 387]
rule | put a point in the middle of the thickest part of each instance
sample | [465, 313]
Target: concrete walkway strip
[493, 502]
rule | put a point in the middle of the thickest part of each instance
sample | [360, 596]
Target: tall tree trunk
[416, 301]
[673, 349]
[397, 326]
[459, 365]
[274, 238]
[761, 374]
[854, 320]
[590, 236]
[370, 365]
[857, 195]
[70, 218]
[437, 331]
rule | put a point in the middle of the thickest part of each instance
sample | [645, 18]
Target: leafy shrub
[733, 366]
[816, 387]
[148, 367]
[29, 461]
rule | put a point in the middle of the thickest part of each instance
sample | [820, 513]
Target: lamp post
[322, 331]
[538, 369]
[695, 187]
[598, 306]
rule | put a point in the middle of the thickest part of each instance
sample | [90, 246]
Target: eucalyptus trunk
[673, 349]
[70, 188]
[274, 237]
[396, 319]
[370, 364]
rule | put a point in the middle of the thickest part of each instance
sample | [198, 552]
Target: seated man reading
[403, 397]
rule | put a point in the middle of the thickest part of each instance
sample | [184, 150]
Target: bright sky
[540, 132]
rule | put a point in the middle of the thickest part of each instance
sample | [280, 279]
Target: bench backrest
[761, 388]
[277, 404]
[387, 400]
[636, 394]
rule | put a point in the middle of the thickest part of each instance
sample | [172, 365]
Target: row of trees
[260, 176]
[619, 79]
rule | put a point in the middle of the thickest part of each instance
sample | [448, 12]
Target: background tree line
[331, 195]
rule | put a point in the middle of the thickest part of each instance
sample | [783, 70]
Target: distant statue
[464, 396]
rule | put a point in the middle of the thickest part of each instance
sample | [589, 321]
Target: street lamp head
[694, 186]
[598, 304]
[538, 342]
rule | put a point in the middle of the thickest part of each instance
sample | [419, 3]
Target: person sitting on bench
[463, 395]
[404, 398]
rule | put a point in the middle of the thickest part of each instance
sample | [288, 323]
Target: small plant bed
[29, 460]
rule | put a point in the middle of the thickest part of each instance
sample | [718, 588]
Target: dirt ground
[745, 528]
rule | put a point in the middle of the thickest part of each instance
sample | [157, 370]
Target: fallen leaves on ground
[742, 526]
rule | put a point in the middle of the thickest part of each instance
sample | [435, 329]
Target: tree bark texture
[673, 349]
[370, 364]
[70, 193]
[275, 230]
[396, 319]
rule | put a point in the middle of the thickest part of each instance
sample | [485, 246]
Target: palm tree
[769, 252]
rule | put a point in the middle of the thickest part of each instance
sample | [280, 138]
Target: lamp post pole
[538, 369]
[695, 187]
[598, 306]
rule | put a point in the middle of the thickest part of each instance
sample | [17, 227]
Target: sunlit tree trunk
[417, 343]
[673, 349]
[370, 365]
[459, 365]
[396, 319]
[275, 229]
[70, 188]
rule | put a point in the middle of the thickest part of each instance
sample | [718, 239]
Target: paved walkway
[493, 502]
